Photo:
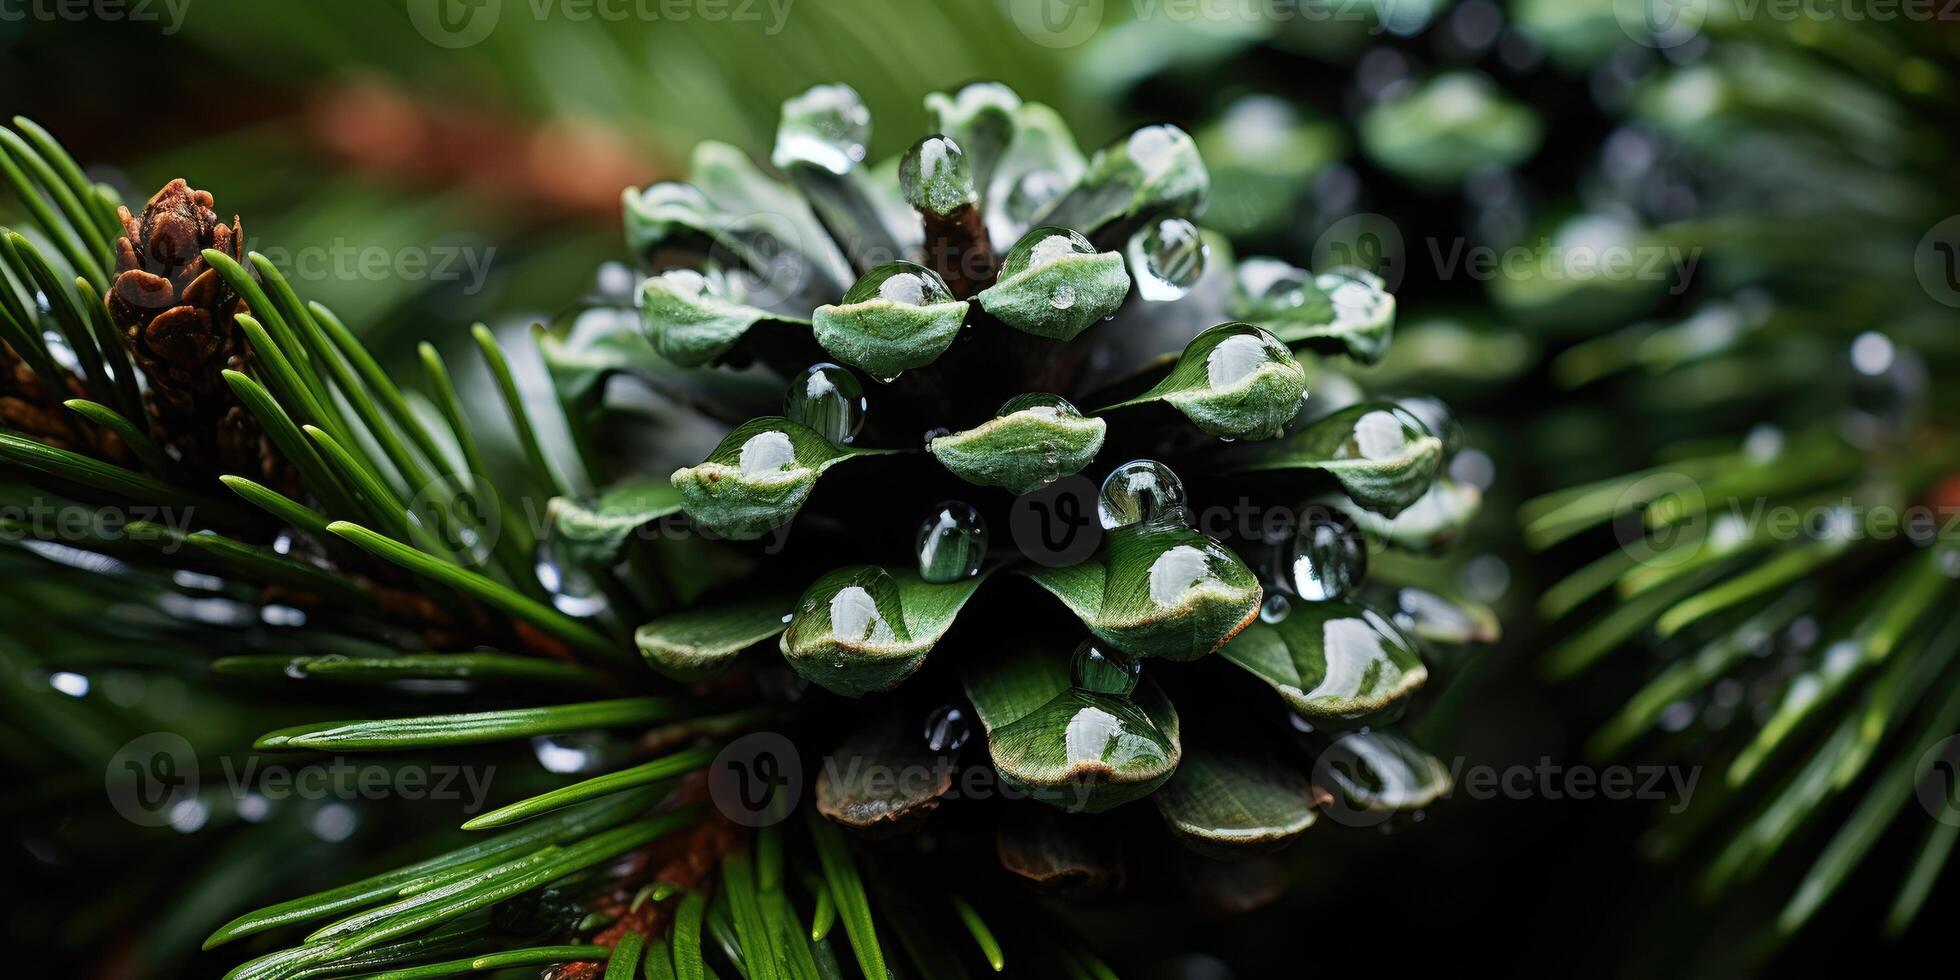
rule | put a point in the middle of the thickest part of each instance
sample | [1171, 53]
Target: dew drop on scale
[1050, 406]
[863, 608]
[1098, 671]
[1141, 491]
[952, 542]
[901, 282]
[766, 454]
[829, 399]
[1437, 418]
[934, 175]
[947, 729]
[1166, 258]
[1380, 434]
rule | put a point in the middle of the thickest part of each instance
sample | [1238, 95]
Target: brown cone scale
[177, 316]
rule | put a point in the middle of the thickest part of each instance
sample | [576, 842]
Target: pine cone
[176, 314]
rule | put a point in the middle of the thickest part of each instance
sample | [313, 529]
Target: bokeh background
[364, 131]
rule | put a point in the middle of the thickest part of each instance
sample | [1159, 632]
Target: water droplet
[1275, 286]
[829, 399]
[1327, 557]
[1356, 294]
[1040, 403]
[1436, 417]
[283, 542]
[1041, 246]
[1141, 491]
[952, 543]
[934, 176]
[947, 729]
[686, 283]
[1182, 569]
[70, 683]
[766, 454]
[1275, 608]
[1091, 668]
[1032, 192]
[1063, 297]
[905, 283]
[827, 126]
[575, 753]
[1246, 350]
[863, 608]
[1166, 258]
[936, 432]
[571, 588]
[1380, 434]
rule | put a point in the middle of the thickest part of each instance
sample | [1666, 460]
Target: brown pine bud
[177, 315]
